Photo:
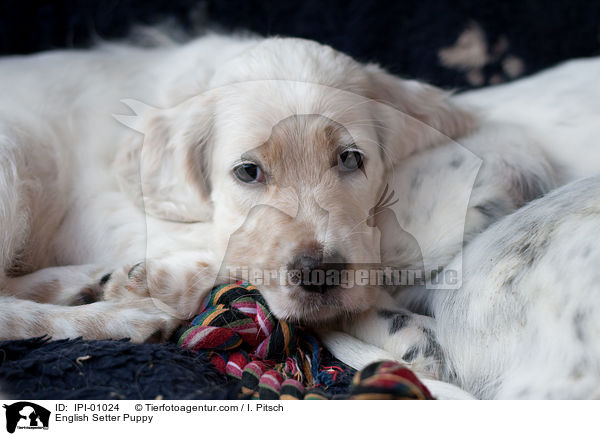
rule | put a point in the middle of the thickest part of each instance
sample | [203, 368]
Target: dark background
[404, 36]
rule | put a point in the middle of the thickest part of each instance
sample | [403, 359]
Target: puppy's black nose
[314, 273]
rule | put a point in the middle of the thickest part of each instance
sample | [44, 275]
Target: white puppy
[93, 209]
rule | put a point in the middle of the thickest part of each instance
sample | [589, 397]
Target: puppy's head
[288, 152]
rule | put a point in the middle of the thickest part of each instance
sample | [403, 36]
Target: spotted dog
[521, 323]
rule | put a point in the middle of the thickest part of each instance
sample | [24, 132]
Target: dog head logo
[26, 415]
[292, 189]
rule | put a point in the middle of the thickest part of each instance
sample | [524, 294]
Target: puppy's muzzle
[316, 273]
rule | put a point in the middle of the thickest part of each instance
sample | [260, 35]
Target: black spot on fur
[105, 278]
[524, 248]
[531, 251]
[399, 319]
[532, 243]
[578, 320]
[416, 181]
[410, 354]
[456, 162]
[493, 209]
[398, 322]
[586, 251]
[432, 348]
[509, 281]
[386, 314]
[526, 254]
[579, 369]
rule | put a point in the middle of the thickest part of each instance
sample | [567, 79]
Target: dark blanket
[75, 369]
[462, 44]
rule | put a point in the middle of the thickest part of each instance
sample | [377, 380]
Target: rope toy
[273, 359]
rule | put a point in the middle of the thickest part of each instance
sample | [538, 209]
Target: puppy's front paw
[178, 286]
[126, 283]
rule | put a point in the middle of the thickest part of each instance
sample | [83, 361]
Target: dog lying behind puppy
[519, 325]
[289, 146]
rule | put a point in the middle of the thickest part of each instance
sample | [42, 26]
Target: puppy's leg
[138, 318]
[30, 187]
[62, 285]
[104, 320]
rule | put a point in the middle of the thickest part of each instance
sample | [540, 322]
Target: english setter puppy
[245, 155]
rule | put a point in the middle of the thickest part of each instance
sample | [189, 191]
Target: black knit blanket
[76, 369]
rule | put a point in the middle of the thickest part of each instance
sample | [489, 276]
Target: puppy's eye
[350, 160]
[249, 172]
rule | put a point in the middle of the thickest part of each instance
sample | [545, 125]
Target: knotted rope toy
[273, 359]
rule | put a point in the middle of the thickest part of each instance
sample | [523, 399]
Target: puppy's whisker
[354, 233]
[355, 105]
[366, 123]
[365, 220]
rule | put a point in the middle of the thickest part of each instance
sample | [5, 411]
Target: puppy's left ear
[413, 115]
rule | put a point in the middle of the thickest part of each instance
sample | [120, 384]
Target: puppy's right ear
[167, 171]
[413, 115]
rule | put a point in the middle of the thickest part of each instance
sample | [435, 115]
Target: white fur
[82, 195]
[519, 325]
